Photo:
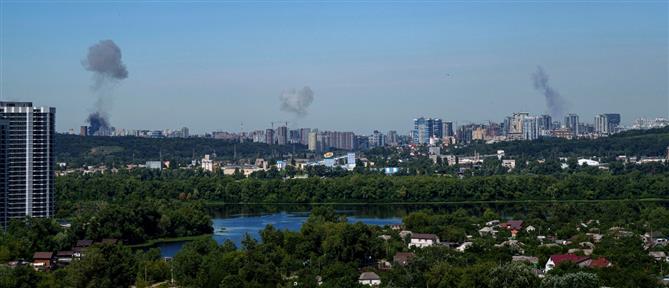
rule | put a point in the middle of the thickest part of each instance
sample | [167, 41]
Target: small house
[370, 279]
[64, 257]
[403, 258]
[42, 261]
[423, 240]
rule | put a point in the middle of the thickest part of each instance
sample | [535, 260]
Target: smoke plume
[104, 60]
[296, 101]
[554, 101]
[97, 121]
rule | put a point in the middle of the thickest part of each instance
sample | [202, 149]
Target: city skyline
[361, 67]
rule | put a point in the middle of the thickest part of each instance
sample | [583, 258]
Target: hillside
[76, 150]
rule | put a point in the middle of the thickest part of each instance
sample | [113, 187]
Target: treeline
[193, 185]
[651, 142]
[92, 150]
[330, 252]
[132, 222]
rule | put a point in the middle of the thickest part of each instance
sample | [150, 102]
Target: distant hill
[652, 142]
[77, 150]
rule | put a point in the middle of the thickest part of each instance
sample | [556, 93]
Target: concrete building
[377, 139]
[531, 128]
[606, 123]
[282, 135]
[571, 122]
[448, 129]
[207, 163]
[269, 136]
[158, 165]
[313, 140]
[545, 125]
[29, 151]
[516, 122]
[83, 131]
[4, 175]
[392, 139]
[425, 128]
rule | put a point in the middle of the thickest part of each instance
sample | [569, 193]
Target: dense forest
[92, 150]
[194, 185]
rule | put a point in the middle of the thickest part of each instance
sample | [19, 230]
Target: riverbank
[221, 203]
[156, 242]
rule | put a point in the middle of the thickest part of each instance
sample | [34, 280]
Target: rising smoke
[554, 102]
[104, 60]
[297, 101]
[96, 121]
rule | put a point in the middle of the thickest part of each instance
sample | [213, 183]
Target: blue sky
[371, 65]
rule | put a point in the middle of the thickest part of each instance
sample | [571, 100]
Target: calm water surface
[233, 227]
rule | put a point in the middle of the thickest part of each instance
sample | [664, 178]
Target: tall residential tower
[30, 159]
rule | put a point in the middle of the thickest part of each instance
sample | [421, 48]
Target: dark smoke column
[554, 101]
[104, 60]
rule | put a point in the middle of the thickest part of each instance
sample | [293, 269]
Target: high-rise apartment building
[392, 139]
[269, 136]
[531, 127]
[448, 129]
[571, 122]
[29, 152]
[282, 135]
[545, 124]
[425, 128]
[377, 139]
[607, 123]
[4, 166]
[304, 136]
[313, 140]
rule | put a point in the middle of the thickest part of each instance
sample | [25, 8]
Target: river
[232, 222]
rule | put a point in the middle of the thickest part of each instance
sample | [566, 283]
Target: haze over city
[354, 67]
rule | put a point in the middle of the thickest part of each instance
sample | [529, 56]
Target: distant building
[156, 134]
[154, 165]
[282, 135]
[448, 129]
[4, 172]
[606, 123]
[350, 160]
[185, 132]
[564, 133]
[545, 125]
[269, 136]
[425, 128]
[207, 163]
[377, 139]
[392, 139]
[83, 131]
[531, 128]
[27, 144]
[571, 122]
[313, 140]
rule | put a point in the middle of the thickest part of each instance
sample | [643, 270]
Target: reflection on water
[235, 225]
[232, 222]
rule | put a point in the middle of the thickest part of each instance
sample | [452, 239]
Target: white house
[369, 278]
[423, 240]
[464, 246]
